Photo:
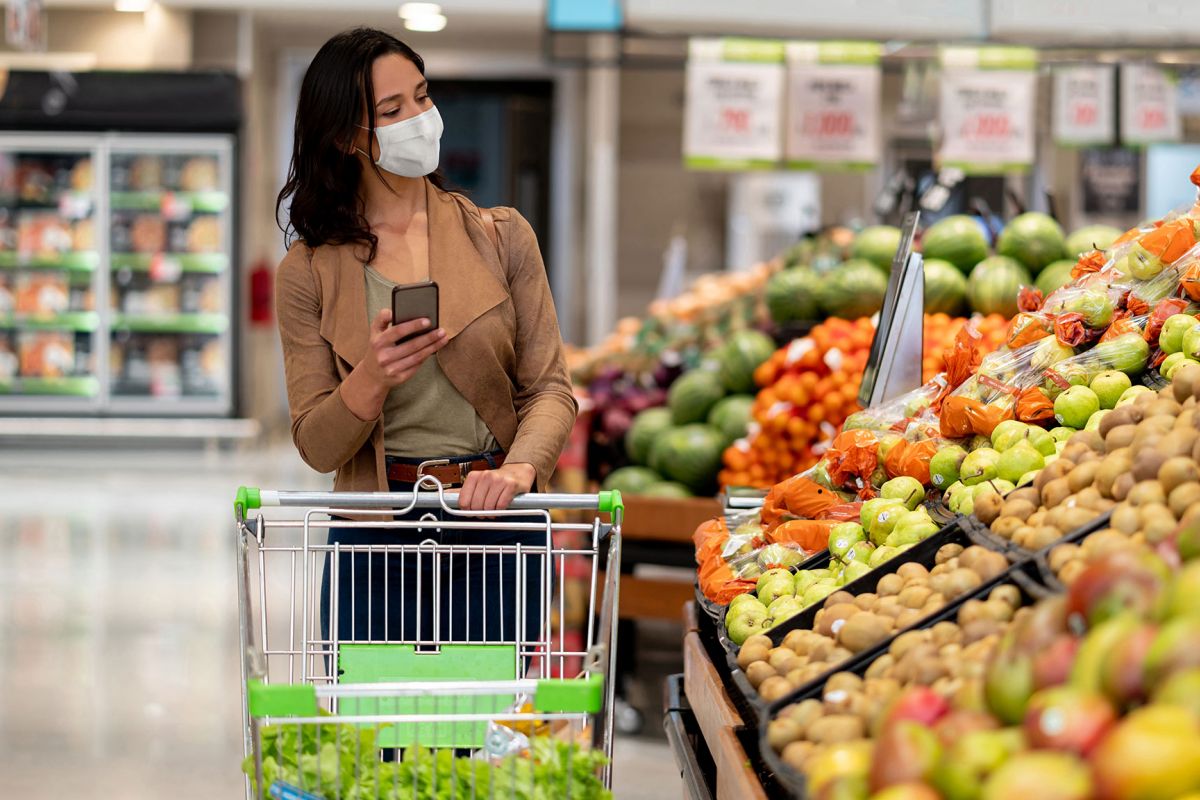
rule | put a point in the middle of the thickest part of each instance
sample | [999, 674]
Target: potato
[836, 728]
[758, 672]
[781, 732]
[863, 631]
[775, 688]
[947, 552]
[889, 585]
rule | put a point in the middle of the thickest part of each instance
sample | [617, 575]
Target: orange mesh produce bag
[844, 512]
[1170, 240]
[853, 455]
[962, 359]
[1190, 280]
[963, 416]
[797, 497]
[1028, 328]
[718, 583]
[810, 534]
[709, 539]
[1162, 310]
[911, 459]
[1034, 407]
[1124, 325]
[1030, 299]
[1090, 263]
[1070, 329]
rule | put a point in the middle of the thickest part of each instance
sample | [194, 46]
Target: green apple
[1109, 386]
[1132, 393]
[843, 536]
[1008, 433]
[905, 489]
[859, 552]
[1093, 423]
[779, 586]
[979, 466]
[746, 623]
[784, 608]
[881, 555]
[1061, 434]
[1017, 460]
[856, 570]
[1075, 405]
[944, 466]
[818, 592]
[1170, 339]
[885, 520]
[1041, 440]
[771, 575]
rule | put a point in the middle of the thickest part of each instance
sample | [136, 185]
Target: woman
[486, 396]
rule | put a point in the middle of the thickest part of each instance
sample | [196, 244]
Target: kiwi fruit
[863, 631]
[831, 619]
[1088, 497]
[797, 754]
[1183, 497]
[1125, 518]
[1185, 381]
[1083, 475]
[1077, 517]
[838, 598]
[987, 507]
[1146, 465]
[1060, 555]
[947, 552]
[891, 584]
[1177, 471]
[866, 601]
[1051, 472]
[1182, 442]
[1075, 451]
[912, 570]
[1112, 420]
[1120, 436]
[1020, 509]
[1145, 493]
[1055, 492]
[1158, 525]
[758, 672]
[775, 688]
[835, 728]
[1112, 467]
[1164, 407]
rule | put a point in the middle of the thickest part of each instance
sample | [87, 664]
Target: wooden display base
[718, 719]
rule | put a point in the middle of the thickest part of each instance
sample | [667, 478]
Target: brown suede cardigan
[504, 352]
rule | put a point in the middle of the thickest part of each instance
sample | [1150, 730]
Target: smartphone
[415, 301]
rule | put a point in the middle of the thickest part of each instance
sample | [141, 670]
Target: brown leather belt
[446, 474]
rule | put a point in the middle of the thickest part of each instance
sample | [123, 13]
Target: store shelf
[71, 197]
[207, 263]
[197, 202]
[79, 321]
[86, 386]
[75, 262]
[171, 323]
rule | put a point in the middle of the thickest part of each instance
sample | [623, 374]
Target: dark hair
[323, 179]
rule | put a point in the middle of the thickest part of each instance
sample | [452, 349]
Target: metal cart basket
[400, 705]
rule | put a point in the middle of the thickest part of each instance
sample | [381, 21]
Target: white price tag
[1149, 105]
[833, 105]
[797, 349]
[1083, 105]
[987, 111]
[734, 109]
[834, 359]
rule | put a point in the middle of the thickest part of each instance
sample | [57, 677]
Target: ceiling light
[427, 22]
[132, 6]
[415, 10]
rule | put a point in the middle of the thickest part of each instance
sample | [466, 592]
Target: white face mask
[410, 148]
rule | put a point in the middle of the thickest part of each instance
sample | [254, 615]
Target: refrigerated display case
[115, 274]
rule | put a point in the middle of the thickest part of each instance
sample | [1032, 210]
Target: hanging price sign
[1149, 105]
[1083, 105]
[734, 112]
[987, 109]
[833, 105]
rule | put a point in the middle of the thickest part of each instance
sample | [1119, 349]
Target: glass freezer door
[49, 267]
[170, 292]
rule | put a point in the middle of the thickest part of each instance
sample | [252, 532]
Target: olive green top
[426, 416]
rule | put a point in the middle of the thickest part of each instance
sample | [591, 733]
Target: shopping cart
[332, 716]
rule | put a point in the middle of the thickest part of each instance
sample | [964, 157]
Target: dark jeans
[478, 598]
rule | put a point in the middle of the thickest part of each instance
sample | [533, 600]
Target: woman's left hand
[494, 489]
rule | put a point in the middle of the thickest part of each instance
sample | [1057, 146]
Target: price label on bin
[987, 110]
[1149, 105]
[1083, 105]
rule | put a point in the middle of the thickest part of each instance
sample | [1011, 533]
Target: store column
[600, 202]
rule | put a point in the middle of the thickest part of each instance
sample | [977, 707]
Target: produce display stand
[718, 721]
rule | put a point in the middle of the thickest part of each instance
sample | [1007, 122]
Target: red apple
[1121, 581]
[917, 704]
[1067, 718]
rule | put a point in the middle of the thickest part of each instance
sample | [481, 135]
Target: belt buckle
[436, 462]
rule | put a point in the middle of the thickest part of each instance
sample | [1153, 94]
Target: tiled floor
[118, 627]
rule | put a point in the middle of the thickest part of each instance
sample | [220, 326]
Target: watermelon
[631, 480]
[1093, 237]
[690, 455]
[657, 458]
[731, 416]
[669, 490]
[958, 239]
[994, 285]
[739, 357]
[792, 295]
[693, 395]
[1034, 239]
[1054, 276]
[945, 288]
[877, 244]
[646, 425]
[852, 290]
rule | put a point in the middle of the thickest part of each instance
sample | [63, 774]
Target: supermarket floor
[118, 627]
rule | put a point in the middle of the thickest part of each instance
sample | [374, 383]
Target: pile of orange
[811, 386]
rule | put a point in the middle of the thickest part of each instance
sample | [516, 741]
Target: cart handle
[249, 498]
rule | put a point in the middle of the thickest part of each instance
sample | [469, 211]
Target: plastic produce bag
[853, 455]
[810, 535]
[1126, 351]
[1027, 328]
[798, 497]
[989, 396]
[911, 459]
[895, 414]
[1034, 407]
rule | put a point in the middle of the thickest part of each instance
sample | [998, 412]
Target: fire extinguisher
[262, 293]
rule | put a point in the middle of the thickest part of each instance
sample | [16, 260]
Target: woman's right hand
[389, 364]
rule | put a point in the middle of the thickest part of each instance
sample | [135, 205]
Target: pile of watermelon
[962, 273]
[675, 451]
